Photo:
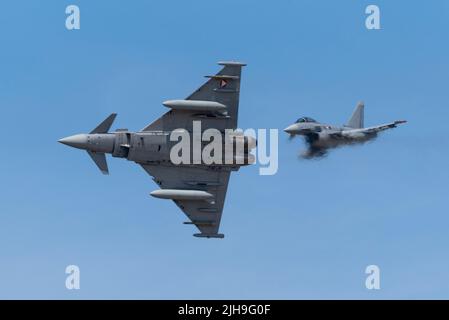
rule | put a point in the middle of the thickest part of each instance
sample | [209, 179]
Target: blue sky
[307, 232]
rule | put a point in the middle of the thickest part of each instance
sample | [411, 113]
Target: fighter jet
[198, 189]
[321, 137]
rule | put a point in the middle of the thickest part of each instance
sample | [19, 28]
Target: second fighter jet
[320, 137]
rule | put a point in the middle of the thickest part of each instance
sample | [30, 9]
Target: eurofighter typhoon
[321, 137]
[197, 188]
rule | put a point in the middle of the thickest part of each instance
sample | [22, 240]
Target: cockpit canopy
[305, 119]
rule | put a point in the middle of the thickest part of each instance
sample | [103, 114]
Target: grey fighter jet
[321, 137]
[199, 190]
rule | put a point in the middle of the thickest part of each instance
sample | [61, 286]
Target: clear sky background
[307, 232]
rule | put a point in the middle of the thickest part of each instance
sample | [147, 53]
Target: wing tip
[209, 235]
[231, 63]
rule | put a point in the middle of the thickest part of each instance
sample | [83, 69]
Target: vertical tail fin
[356, 120]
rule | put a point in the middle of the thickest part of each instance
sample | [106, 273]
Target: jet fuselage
[155, 147]
[328, 136]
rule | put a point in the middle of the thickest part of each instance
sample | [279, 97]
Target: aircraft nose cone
[77, 141]
[290, 129]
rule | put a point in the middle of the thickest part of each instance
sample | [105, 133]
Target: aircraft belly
[149, 148]
[338, 140]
